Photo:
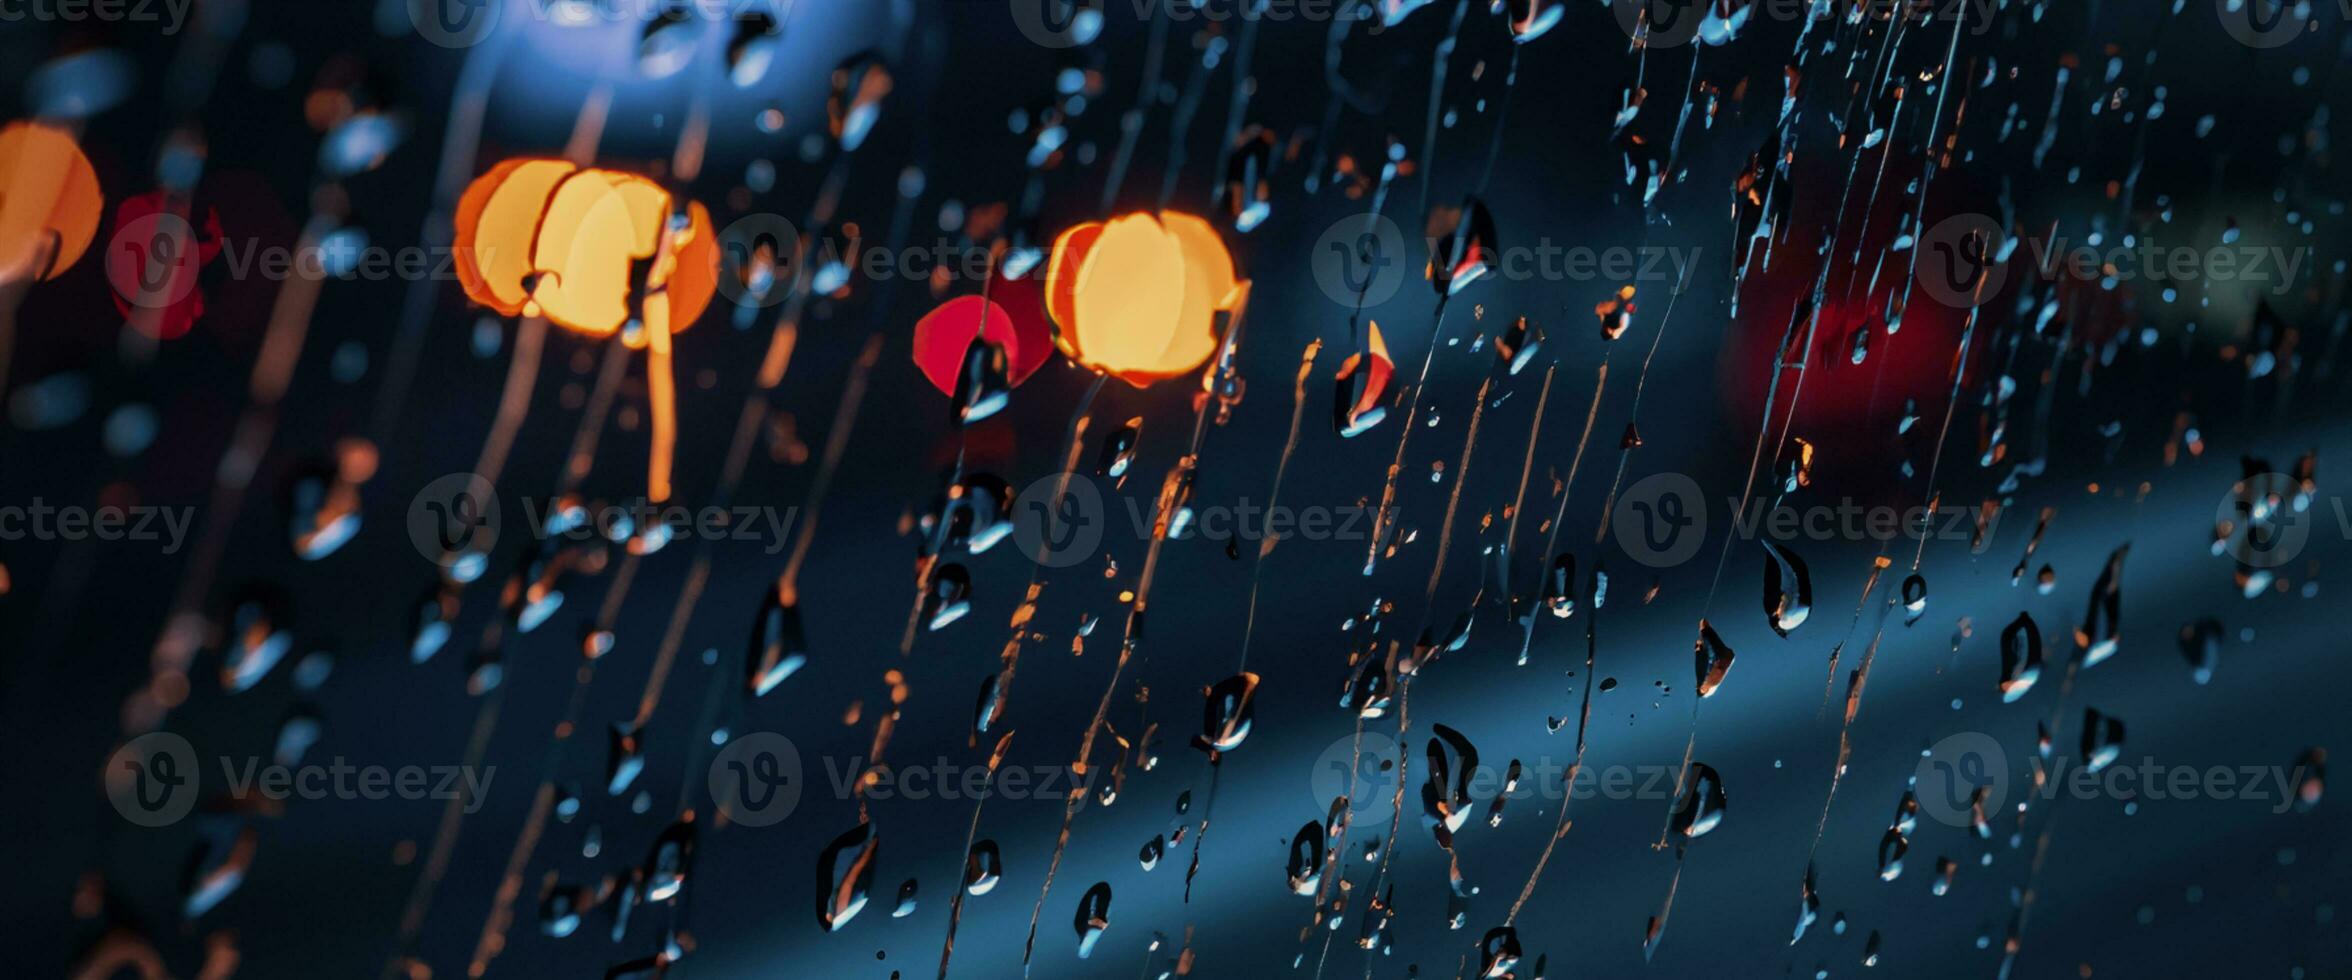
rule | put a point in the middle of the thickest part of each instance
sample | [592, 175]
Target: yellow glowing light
[548, 238]
[1137, 297]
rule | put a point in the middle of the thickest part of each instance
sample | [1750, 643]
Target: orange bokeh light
[549, 238]
[1137, 297]
[49, 201]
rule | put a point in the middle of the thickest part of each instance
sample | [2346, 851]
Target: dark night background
[2171, 888]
